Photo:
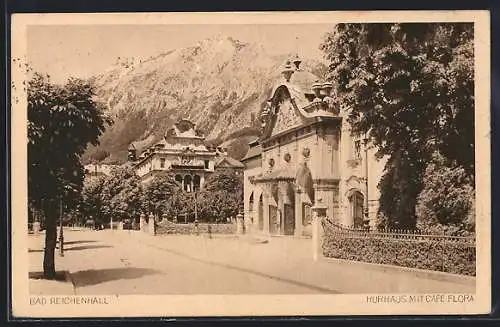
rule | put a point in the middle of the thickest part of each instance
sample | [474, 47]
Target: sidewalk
[290, 260]
[39, 286]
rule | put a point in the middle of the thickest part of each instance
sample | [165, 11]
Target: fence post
[319, 213]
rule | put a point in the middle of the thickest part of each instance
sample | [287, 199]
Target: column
[298, 213]
[240, 224]
[281, 212]
[151, 224]
[265, 211]
[142, 221]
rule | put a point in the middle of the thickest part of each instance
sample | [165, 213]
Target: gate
[273, 219]
[289, 220]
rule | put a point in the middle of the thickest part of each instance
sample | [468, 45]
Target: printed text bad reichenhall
[69, 300]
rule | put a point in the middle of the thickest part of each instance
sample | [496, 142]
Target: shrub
[443, 254]
[168, 227]
[446, 203]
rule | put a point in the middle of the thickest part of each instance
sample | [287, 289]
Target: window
[357, 149]
[207, 162]
[162, 162]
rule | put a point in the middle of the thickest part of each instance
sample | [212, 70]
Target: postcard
[250, 164]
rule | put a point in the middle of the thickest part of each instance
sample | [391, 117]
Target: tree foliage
[410, 88]
[62, 121]
[218, 206]
[157, 195]
[447, 198]
[225, 180]
[122, 193]
[92, 202]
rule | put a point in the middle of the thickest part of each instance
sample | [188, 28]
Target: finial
[316, 87]
[287, 71]
[296, 62]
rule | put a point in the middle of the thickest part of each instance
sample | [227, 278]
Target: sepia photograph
[250, 164]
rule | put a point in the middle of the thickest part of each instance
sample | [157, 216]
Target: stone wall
[167, 227]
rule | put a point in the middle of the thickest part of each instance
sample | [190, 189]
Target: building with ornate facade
[183, 152]
[306, 154]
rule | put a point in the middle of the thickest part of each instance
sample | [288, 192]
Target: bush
[440, 255]
[168, 227]
[447, 199]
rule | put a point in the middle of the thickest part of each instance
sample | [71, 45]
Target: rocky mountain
[220, 84]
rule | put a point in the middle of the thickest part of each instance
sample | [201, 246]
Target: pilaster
[298, 212]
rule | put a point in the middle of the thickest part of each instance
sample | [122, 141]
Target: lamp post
[61, 235]
[366, 211]
[195, 207]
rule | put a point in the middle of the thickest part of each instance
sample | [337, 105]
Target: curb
[421, 273]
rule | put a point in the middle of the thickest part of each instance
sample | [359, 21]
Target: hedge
[167, 227]
[438, 255]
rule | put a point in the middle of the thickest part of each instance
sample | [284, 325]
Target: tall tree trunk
[49, 268]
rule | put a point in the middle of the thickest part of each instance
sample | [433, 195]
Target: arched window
[178, 179]
[356, 201]
[250, 206]
[250, 202]
[196, 183]
[187, 183]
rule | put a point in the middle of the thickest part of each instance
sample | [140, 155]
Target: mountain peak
[221, 42]
[220, 84]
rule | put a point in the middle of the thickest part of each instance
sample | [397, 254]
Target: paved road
[128, 262]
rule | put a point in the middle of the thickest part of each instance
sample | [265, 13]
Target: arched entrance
[305, 199]
[356, 205]
[289, 208]
[250, 207]
[274, 214]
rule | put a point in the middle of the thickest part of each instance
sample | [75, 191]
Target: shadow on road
[94, 277]
[87, 247]
[60, 275]
[75, 248]
[79, 242]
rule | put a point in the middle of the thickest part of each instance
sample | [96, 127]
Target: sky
[86, 50]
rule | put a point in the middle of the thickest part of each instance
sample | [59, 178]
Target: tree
[222, 196]
[225, 180]
[62, 121]
[217, 206]
[122, 193]
[410, 88]
[181, 205]
[92, 199]
[157, 195]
